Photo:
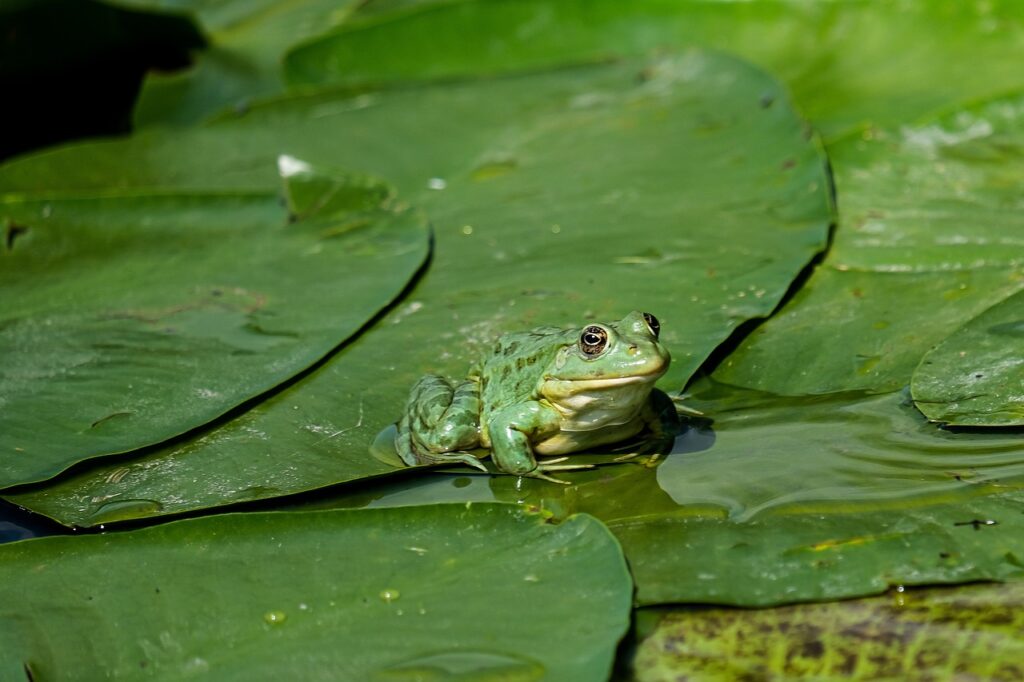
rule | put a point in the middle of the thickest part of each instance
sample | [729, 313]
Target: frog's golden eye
[652, 324]
[593, 340]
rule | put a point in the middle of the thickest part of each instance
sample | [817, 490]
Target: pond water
[18, 524]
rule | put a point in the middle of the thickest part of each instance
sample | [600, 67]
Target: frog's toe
[453, 458]
[551, 465]
[627, 457]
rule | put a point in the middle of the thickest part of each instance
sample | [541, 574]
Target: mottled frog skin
[548, 391]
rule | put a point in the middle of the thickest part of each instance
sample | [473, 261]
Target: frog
[548, 392]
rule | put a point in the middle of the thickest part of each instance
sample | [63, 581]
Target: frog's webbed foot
[554, 466]
[467, 458]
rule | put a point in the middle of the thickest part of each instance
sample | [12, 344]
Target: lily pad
[132, 317]
[846, 63]
[246, 42]
[976, 376]
[928, 238]
[370, 595]
[972, 632]
[557, 198]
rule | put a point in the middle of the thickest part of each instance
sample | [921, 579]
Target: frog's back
[511, 373]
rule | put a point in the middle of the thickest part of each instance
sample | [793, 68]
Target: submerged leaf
[404, 594]
[976, 376]
[969, 633]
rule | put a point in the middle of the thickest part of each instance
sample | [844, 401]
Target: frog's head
[618, 362]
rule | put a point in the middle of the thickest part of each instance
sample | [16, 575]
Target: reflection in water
[18, 524]
[841, 448]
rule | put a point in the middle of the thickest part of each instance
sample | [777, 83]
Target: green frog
[548, 391]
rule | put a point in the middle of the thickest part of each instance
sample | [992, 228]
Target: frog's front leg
[511, 431]
[440, 420]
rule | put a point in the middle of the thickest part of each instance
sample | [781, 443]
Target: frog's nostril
[632, 349]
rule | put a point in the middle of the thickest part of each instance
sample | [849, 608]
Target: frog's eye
[652, 324]
[593, 340]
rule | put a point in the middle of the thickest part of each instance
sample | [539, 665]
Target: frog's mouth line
[586, 384]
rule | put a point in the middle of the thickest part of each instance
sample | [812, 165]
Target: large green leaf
[440, 592]
[846, 62]
[786, 500]
[928, 238]
[976, 376]
[972, 633]
[132, 316]
[663, 184]
[247, 40]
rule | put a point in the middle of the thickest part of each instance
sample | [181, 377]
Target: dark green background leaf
[247, 40]
[846, 62]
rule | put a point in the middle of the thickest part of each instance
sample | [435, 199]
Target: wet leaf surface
[976, 376]
[380, 594]
[928, 238]
[568, 211]
[130, 317]
[973, 632]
